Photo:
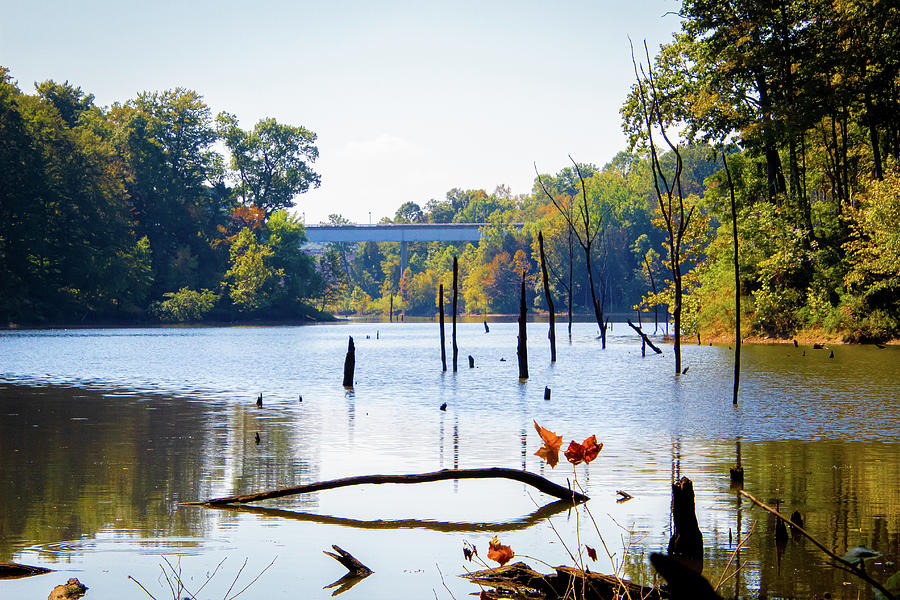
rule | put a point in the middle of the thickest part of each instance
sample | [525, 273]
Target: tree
[251, 277]
[409, 212]
[272, 163]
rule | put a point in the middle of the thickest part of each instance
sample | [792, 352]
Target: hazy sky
[409, 99]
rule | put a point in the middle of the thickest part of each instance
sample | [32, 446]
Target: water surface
[104, 432]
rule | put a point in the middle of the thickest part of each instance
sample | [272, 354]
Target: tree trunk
[522, 349]
[455, 297]
[686, 543]
[443, 342]
[349, 364]
[552, 333]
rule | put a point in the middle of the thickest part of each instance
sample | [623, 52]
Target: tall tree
[271, 163]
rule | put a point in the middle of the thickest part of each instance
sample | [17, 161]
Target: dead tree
[586, 237]
[522, 348]
[443, 342]
[686, 543]
[670, 197]
[551, 335]
[349, 364]
[455, 300]
[737, 287]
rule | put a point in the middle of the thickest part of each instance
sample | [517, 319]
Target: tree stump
[349, 364]
[686, 543]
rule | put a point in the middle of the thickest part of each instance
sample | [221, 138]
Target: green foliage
[252, 277]
[185, 305]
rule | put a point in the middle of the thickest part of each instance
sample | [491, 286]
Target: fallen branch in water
[644, 337]
[11, 570]
[846, 565]
[535, 481]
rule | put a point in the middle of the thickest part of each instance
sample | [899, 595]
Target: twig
[142, 587]
[741, 542]
[443, 582]
[236, 577]
[252, 581]
[842, 562]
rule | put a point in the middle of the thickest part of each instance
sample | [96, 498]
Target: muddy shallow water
[104, 432]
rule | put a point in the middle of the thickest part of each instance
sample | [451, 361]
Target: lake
[104, 431]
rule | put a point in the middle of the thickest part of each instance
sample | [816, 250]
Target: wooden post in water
[522, 349]
[686, 542]
[443, 343]
[552, 334]
[349, 364]
[455, 300]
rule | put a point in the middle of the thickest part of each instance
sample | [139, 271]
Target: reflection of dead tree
[535, 481]
[855, 569]
[670, 198]
[586, 238]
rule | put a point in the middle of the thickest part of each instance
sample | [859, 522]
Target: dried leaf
[591, 552]
[498, 552]
[467, 554]
[552, 443]
[585, 452]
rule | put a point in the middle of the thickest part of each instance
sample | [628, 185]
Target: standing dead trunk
[552, 333]
[522, 349]
[686, 543]
[349, 364]
[737, 289]
[455, 300]
[443, 342]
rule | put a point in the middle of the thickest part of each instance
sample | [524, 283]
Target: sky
[408, 99]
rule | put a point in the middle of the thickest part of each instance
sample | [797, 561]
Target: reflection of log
[518, 580]
[644, 337]
[686, 543]
[535, 481]
[520, 524]
[349, 364]
[11, 570]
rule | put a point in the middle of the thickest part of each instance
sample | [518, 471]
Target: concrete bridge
[403, 233]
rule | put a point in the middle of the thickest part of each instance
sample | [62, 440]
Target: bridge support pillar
[403, 258]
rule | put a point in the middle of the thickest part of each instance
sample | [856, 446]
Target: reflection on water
[103, 432]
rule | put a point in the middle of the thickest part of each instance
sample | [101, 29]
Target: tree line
[128, 213]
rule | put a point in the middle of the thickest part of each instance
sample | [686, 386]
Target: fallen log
[350, 562]
[644, 337]
[518, 580]
[535, 481]
[11, 570]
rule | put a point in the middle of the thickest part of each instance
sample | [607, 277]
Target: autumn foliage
[498, 552]
[575, 454]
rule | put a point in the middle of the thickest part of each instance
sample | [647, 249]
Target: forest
[129, 214]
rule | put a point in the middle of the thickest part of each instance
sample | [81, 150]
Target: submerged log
[532, 479]
[518, 580]
[349, 561]
[686, 543]
[349, 364]
[644, 337]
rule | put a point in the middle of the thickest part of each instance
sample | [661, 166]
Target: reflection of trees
[77, 461]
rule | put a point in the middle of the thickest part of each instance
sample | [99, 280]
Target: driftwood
[532, 479]
[644, 337]
[349, 364]
[518, 580]
[70, 590]
[349, 561]
[11, 570]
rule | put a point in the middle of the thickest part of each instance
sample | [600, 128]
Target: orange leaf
[586, 452]
[552, 443]
[591, 552]
[498, 552]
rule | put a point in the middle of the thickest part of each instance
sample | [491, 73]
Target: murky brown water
[102, 433]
